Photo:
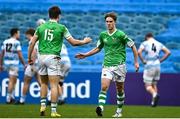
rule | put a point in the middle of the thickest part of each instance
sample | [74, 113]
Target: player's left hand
[136, 64]
[87, 40]
[30, 61]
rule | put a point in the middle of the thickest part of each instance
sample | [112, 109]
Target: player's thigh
[105, 83]
[157, 74]
[27, 79]
[42, 65]
[44, 79]
[148, 76]
[54, 80]
[53, 67]
[12, 79]
[13, 70]
[106, 78]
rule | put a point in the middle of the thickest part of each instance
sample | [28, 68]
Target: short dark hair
[112, 15]
[54, 12]
[14, 31]
[30, 31]
[148, 35]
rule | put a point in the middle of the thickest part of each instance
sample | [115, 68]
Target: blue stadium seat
[141, 19]
[91, 23]
[71, 18]
[176, 66]
[19, 17]
[172, 1]
[157, 1]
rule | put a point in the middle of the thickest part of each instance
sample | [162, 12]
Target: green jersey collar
[52, 20]
[112, 32]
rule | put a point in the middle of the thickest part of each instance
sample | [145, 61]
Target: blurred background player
[50, 36]
[31, 70]
[114, 42]
[40, 21]
[65, 66]
[10, 56]
[151, 62]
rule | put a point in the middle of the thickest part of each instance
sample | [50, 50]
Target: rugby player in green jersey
[50, 36]
[114, 42]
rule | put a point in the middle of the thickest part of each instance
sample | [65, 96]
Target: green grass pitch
[88, 111]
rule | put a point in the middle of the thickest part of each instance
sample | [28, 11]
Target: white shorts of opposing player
[151, 75]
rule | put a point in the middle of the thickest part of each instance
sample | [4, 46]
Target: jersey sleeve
[18, 46]
[142, 46]
[162, 46]
[67, 33]
[100, 43]
[37, 32]
[128, 41]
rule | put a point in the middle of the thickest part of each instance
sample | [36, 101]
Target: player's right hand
[87, 40]
[136, 64]
[80, 56]
[30, 61]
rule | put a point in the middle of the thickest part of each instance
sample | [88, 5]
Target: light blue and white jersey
[64, 55]
[152, 50]
[11, 47]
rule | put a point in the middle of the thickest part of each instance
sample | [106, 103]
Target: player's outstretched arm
[167, 53]
[91, 52]
[136, 64]
[76, 42]
[31, 48]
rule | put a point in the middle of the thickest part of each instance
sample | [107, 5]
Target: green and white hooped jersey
[50, 36]
[114, 46]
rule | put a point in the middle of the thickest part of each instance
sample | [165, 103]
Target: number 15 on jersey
[48, 35]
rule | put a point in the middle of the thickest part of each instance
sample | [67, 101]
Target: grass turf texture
[88, 111]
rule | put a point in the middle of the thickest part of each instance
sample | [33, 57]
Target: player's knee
[104, 87]
[148, 88]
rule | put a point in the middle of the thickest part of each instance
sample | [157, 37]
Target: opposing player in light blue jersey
[151, 62]
[10, 56]
[65, 67]
[31, 70]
